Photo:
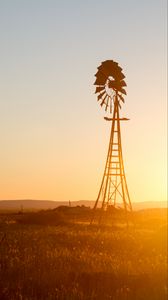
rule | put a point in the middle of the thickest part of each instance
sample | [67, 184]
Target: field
[56, 255]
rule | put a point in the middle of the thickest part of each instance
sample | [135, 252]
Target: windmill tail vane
[110, 88]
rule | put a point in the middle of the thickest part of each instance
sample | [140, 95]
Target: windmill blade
[112, 84]
[103, 102]
[111, 108]
[101, 95]
[116, 74]
[105, 70]
[110, 64]
[112, 69]
[121, 98]
[107, 103]
[123, 83]
[99, 89]
[100, 81]
[120, 76]
[123, 91]
[101, 77]
[116, 84]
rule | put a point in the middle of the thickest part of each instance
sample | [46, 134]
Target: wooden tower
[113, 191]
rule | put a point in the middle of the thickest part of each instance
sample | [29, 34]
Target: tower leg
[113, 190]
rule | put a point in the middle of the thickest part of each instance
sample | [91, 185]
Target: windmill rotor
[109, 82]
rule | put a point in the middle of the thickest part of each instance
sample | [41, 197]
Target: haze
[54, 139]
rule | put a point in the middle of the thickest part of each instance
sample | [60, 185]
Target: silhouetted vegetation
[49, 217]
[72, 260]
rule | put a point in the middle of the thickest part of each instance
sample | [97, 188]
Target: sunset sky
[53, 136]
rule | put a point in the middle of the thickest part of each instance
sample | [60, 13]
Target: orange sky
[53, 137]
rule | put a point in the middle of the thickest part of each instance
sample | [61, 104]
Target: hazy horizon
[79, 200]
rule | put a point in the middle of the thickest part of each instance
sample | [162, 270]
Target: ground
[68, 259]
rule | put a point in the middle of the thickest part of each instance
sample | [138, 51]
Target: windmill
[110, 90]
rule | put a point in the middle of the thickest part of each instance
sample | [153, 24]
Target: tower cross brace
[113, 190]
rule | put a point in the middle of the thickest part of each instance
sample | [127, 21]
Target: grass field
[69, 259]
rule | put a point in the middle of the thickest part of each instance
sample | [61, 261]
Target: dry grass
[72, 261]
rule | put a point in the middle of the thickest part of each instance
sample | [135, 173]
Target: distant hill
[49, 204]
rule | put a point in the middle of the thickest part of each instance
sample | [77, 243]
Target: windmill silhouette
[113, 190]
